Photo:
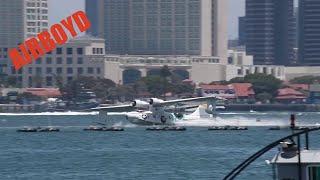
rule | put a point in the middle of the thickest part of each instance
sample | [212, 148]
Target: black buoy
[100, 128]
[112, 129]
[28, 129]
[275, 128]
[167, 128]
[48, 129]
[225, 128]
[93, 128]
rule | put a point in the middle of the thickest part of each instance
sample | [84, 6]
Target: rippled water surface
[136, 153]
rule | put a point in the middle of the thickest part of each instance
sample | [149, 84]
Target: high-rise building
[242, 30]
[309, 32]
[20, 19]
[177, 27]
[270, 31]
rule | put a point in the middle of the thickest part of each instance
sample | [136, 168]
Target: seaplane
[160, 112]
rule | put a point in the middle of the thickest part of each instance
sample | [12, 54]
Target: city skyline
[235, 9]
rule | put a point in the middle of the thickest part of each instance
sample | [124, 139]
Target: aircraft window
[314, 173]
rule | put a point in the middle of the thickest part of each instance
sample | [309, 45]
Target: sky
[60, 9]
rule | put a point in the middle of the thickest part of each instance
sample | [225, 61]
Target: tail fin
[200, 112]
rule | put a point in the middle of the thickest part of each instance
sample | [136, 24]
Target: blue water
[134, 153]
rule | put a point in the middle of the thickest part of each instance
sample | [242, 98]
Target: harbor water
[136, 153]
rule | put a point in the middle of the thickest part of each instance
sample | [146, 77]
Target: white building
[83, 56]
[241, 64]
[128, 69]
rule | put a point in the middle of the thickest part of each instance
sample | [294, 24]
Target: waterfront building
[82, 56]
[270, 31]
[309, 32]
[19, 20]
[126, 69]
[290, 96]
[235, 92]
[189, 27]
[241, 64]
[314, 94]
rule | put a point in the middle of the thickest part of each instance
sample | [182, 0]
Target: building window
[49, 70]
[94, 51]
[80, 51]
[49, 60]
[69, 60]
[38, 61]
[59, 60]
[80, 70]
[80, 60]
[69, 79]
[38, 70]
[30, 81]
[30, 70]
[49, 81]
[59, 50]
[239, 71]
[230, 60]
[264, 70]
[69, 70]
[98, 71]
[13, 70]
[90, 70]
[59, 70]
[69, 51]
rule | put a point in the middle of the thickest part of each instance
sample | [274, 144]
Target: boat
[294, 159]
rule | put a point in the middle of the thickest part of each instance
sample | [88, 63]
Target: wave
[70, 113]
[239, 121]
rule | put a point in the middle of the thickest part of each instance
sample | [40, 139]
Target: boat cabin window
[314, 172]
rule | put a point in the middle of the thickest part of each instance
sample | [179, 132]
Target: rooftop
[44, 92]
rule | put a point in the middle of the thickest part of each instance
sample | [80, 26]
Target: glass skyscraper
[270, 31]
[160, 27]
[309, 32]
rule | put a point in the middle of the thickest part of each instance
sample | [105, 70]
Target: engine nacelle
[140, 104]
[153, 101]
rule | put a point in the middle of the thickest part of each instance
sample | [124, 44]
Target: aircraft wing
[197, 99]
[120, 108]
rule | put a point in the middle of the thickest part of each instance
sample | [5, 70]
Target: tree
[99, 86]
[28, 97]
[165, 72]
[237, 80]
[156, 85]
[264, 97]
[263, 83]
[305, 80]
